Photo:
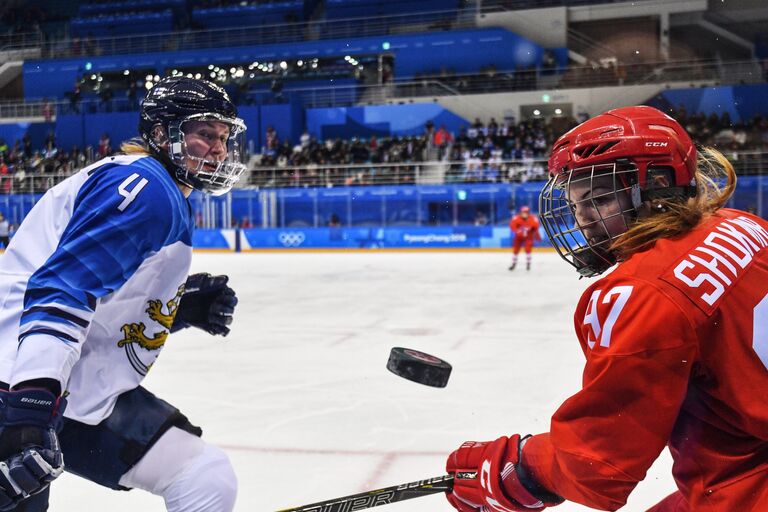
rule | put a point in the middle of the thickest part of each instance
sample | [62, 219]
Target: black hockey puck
[419, 367]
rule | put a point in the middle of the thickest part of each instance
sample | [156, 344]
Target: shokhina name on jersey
[92, 280]
[707, 271]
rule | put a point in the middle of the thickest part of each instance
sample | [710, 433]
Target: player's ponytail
[715, 183]
[134, 146]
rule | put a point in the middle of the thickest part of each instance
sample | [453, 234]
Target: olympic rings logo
[291, 238]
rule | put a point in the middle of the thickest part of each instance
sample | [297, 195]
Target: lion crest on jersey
[135, 333]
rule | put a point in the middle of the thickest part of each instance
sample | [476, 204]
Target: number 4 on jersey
[603, 333]
[130, 195]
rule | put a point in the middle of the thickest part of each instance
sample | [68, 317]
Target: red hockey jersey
[525, 228]
[676, 342]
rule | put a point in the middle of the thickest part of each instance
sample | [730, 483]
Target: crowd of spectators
[505, 151]
[745, 143]
[721, 132]
[332, 162]
[496, 151]
[483, 152]
[24, 169]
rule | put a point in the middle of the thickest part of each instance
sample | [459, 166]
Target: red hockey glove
[488, 477]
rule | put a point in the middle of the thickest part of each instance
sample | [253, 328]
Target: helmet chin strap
[591, 261]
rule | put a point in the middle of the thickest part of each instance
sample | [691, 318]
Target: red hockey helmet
[645, 136]
[640, 152]
[525, 209]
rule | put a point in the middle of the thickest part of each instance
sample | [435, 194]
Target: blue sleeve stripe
[52, 311]
[44, 294]
[43, 321]
[51, 332]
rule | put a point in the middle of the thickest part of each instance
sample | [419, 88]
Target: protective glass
[583, 211]
[215, 177]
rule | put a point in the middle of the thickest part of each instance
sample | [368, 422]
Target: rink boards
[460, 237]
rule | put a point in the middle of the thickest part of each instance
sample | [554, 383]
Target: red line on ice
[326, 451]
[381, 468]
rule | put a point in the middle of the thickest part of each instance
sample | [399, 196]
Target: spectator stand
[272, 23]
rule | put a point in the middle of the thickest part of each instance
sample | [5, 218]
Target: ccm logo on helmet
[656, 144]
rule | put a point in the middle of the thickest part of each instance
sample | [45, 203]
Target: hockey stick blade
[380, 497]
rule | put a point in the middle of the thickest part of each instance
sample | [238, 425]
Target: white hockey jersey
[90, 283]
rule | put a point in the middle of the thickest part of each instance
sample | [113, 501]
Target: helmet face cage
[171, 103]
[210, 176]
[586, 244]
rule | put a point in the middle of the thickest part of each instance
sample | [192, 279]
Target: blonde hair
[134, 147]
[677, 217]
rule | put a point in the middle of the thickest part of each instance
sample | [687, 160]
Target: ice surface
[299, 395]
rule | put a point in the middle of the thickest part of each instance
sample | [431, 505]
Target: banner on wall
[486, 237]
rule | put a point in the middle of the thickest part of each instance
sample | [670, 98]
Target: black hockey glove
[30, 456]
[208, 304]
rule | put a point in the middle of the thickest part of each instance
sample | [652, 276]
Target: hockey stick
[379, 497]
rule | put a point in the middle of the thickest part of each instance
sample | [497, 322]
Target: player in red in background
[675, 338]
[525, 230]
